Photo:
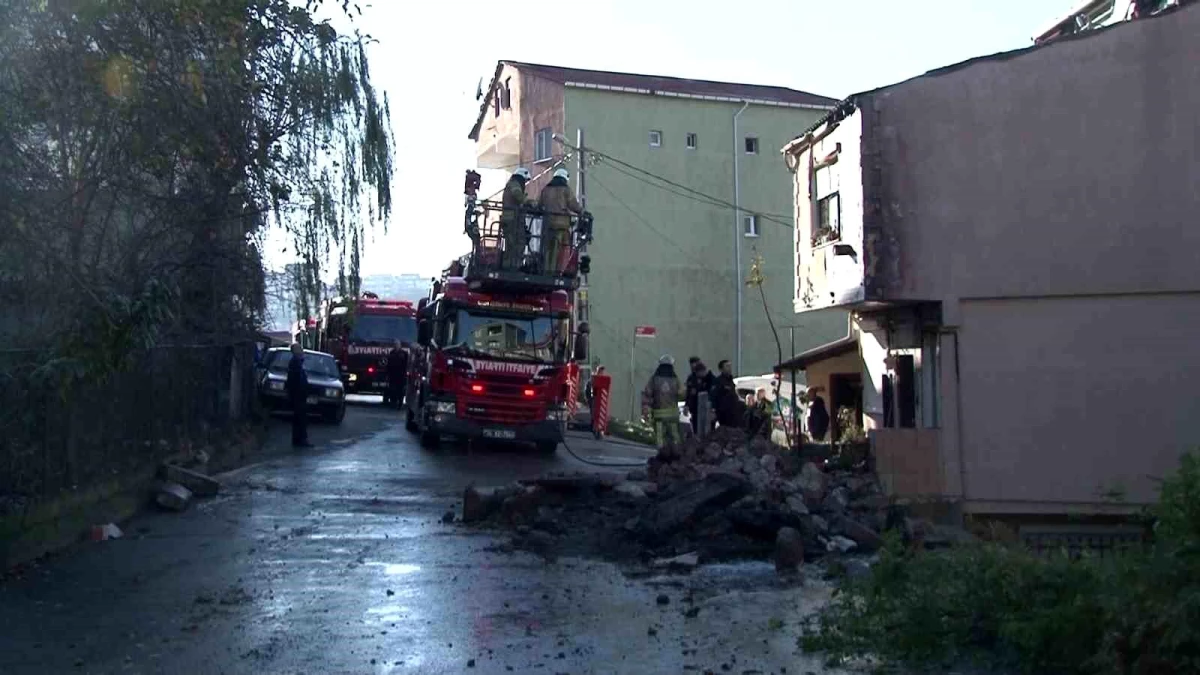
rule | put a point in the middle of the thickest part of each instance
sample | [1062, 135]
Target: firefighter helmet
[562, 173]
[666, 360]
[523, 173]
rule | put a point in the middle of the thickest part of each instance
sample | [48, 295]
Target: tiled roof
[658, 84]
[675, 85]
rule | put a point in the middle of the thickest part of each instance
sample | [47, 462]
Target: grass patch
[631, 431]
[1130, 612]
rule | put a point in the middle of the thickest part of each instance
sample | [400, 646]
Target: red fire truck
[359, 333]
[498, 340]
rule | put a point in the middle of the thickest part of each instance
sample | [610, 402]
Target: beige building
[1017, 239]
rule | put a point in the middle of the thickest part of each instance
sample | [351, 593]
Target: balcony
[498, 149]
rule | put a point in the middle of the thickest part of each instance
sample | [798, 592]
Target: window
[751, 145]
[655, 139]
[750, 225]
[691, 141]
[541, 145]
[507, 102]
[829, 220]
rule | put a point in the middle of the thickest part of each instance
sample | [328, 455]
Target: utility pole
[582, 310]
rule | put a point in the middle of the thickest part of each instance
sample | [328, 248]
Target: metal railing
[525, 240]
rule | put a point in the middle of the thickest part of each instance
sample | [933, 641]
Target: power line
[648, 224]
[698, 195]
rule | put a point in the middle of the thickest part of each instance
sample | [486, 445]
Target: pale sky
[431, 56]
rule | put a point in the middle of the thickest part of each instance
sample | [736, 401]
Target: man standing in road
[397, 374]
[297, 388]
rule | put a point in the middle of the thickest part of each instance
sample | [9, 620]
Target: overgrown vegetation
[145, 147]
[1135, 611]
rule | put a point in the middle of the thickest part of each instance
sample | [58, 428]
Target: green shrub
[1136, 611]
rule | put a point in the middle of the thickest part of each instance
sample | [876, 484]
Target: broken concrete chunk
[631, 490]
[812, 481]
[481, 502]
[105, 532]
[199, 484]
[690, 502]
[173, 496]
[866, 538]
[687, 560]
[838, 501]
[789, 549]
[840, 544]
[797, 505]
[770, 464]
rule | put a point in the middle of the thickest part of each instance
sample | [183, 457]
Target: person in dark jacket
[701, 380]
[818, 417]
[397, 374]
[730, 408]
[297, 389]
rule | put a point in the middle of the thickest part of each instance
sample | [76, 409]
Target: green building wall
[667, 260]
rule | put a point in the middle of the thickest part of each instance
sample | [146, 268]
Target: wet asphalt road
[335, 560]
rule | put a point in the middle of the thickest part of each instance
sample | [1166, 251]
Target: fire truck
[498, 341]
[359, 333]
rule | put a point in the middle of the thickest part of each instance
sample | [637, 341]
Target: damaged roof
[655, 84]
[848, 105]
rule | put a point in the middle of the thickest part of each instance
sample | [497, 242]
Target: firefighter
[660, 402]
[557, 204]
[297, 389]
[512, 218]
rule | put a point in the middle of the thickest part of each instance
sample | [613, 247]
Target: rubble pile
[719, 498]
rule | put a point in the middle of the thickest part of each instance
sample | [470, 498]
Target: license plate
[312, 400]
[499, 433]
[379, 385]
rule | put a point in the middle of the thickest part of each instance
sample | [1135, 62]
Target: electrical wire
[692, 193]
[648, 224]
[545, 171]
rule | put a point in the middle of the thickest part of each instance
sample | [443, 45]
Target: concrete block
[173, 497]
[197, 483]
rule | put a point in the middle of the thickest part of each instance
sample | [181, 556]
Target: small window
[655, 139]
[750, 225]
[691, 141]
[541, 145]
[829, 220]
[751, 145]
[507, 102]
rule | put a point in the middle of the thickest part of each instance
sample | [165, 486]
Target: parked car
[326, 394]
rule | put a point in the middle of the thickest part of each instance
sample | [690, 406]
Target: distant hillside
[411, 287]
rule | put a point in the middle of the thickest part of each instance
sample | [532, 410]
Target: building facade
[670, 251]
[1015, 237]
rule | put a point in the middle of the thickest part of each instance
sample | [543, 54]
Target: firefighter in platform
[512, 218]
[557, 203]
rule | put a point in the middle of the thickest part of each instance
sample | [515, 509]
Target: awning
[829, 350]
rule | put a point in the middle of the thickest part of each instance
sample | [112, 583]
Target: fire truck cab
[360, 332]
